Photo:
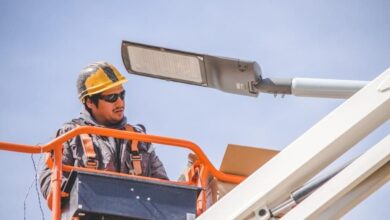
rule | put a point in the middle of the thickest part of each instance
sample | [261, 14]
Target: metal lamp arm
[310, 87]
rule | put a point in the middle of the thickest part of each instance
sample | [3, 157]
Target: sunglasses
[113, 97]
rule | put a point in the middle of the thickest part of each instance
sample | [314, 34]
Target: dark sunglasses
[113, 97]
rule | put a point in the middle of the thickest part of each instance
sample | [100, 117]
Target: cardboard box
[238, 160]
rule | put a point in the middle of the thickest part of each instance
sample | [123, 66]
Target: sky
[44, 44]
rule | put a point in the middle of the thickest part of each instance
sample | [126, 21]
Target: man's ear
[89, 103]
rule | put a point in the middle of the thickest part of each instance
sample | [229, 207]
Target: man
[100, 89]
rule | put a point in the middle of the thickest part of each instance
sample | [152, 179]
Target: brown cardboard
[243, 160]
[238, 160]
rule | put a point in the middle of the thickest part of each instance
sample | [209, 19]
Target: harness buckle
[92, 163]
[135, 157]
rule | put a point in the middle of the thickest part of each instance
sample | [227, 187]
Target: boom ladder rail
[310, 153]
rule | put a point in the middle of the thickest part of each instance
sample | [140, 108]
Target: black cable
[36, 185]
[35, 181]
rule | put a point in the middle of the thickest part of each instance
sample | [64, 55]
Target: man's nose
[120, 101]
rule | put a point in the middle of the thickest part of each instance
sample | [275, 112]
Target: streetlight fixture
[225, 74]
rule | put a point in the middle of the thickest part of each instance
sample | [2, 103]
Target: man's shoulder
[67, 126]
[139, 128]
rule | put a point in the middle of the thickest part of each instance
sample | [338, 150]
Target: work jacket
[111, 154]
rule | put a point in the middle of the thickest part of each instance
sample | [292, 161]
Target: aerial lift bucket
[149, 198]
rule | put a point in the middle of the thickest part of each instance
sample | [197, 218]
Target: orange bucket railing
[56, 146]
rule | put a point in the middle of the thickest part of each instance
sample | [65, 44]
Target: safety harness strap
[92, 161]
[89, 150]
[135, 156]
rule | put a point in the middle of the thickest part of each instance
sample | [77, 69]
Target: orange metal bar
[203, 182]
[56, 183]
[124, 135]
[21, 148]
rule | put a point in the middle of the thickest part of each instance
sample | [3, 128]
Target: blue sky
[44, 44]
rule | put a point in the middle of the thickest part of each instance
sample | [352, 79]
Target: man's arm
[157, 167]
[67, 158]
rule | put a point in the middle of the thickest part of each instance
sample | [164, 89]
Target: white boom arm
[309, 154]
[358, 193]
[317, 204]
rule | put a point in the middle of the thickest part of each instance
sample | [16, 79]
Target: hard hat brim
[112, 85]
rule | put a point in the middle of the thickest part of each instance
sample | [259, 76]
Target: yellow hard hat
[98, 77]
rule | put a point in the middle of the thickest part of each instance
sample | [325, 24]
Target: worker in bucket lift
[100, 89]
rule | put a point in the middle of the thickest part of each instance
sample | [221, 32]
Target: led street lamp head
[229, 75]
